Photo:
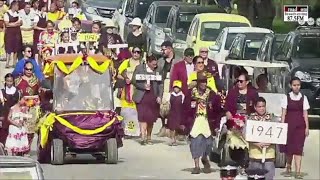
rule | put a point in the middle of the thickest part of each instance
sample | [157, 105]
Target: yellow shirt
[55, 16]
[255, 152]
[211, 83]
[3, 10]
[129, 67]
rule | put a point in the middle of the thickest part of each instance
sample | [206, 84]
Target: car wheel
[57, 152]
[111, 151]
[280, 158]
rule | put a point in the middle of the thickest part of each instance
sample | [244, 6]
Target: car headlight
[91, 10]
[180, 45]
[303, 76]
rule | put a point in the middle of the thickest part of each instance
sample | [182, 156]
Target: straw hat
[64, 24]
[136, 22]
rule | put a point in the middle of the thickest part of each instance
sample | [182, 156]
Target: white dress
[17, 140]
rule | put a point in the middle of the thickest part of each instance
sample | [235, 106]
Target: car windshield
[83, 89]
[251, 49]
[141, 8]
[27, 173]
[162, 14]
[249, 36]
[307, 47]
[210, 30]
[184, 22]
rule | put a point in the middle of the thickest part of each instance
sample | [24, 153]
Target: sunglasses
[201, 62]
[138, 52]
[29, 51]
[240, 81]
[203, 51]
[28, 69]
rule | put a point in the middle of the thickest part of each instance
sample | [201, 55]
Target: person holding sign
[147, 96]
[256, 152]
[206, 108]
[295, 108]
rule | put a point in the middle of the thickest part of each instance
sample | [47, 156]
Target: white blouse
[294, 97]
[13, 14]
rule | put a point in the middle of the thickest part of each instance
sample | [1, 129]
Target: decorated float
[82, 119]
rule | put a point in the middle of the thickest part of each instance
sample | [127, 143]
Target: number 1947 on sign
[266, 132]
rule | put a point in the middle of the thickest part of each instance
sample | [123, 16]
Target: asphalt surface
[160, 161]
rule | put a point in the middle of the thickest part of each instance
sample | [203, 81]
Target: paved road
[158, 161]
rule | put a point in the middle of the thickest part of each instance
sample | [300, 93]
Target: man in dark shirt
[165, 64]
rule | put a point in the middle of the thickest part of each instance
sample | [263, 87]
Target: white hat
[136, 22]
[108, 23]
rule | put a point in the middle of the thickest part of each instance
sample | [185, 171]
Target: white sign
[295, 13]
[117, 46]
[148, 77]
[266, 132]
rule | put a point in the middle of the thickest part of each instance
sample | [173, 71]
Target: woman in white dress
[17, 141]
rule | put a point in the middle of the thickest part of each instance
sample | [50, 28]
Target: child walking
[9, 96]
[256, 149]
[17, 141]
[176, 111]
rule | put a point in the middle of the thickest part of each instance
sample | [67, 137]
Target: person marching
[27, 16]
[128, 106]
[256, 149]
[206, 106]
[176, 111]
[147, 96]
[9, 96]
[17, 141]
[3, 9]
[136, 37]
[295, 108]
[12, 36]
[39, 25]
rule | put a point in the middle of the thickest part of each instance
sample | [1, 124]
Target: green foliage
[281, 27]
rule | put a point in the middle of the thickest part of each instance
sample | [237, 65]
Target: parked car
[16, 167]
[220, 50]
[246, 46]
[129, 9]
[179, 21]
[154, 23]
[98, 9]
[206, 27]
[301, 51]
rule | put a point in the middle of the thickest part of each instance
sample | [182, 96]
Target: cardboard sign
[266, 132]
[148, 77]
[88, 37]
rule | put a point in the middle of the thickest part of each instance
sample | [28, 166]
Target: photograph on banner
[266, 132]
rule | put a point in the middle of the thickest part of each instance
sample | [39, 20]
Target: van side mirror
[167, 30]
[214, 48]
[194, 39]
[232, 57]
[280, 57]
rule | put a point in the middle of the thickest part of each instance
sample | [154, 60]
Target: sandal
[149, 142]
[298, 176]
[173, 144]
[207, 167]
[287, 173]
[195, 170]
[143, 142]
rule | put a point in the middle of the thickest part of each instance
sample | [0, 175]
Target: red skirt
[148, 109]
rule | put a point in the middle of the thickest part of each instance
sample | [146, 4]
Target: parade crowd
[186, 93]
